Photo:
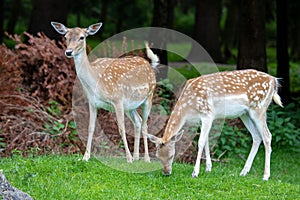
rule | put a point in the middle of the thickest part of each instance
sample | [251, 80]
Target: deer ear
[154, 139]
[93, 29]
[60, 28]
[177, 137]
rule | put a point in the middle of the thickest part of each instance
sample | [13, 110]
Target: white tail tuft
[277, 99]
[153, 57]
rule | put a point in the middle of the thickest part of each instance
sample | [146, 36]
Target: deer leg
[121, 125]
[267, 138]
[136, 121]
[207, 156]
[249, 124]
[146, 108]
[259, 119]
[202, 142]
[91, 129]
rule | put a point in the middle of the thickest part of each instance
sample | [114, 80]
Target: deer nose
[69, 52]
[167, 172]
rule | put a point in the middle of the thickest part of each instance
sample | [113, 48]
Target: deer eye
[81, 38]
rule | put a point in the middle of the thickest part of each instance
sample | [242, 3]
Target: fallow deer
[245, 94]
[115, 84]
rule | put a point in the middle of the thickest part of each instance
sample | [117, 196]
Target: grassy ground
[66, 177]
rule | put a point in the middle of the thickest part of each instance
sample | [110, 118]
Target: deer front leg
[202, 142]
[121, 125]
[91, 129]
[136, 121]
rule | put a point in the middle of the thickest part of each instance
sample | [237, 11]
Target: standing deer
[245, 94]
[115, 84]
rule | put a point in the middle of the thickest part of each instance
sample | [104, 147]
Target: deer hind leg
[91, 129]
[136, 121]
[267, 138]
[259, 119]
[202, 142]
[121, 125]
[249, 124]
[207, 156]
[146, 108]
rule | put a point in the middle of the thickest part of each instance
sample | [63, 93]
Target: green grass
[66, 177]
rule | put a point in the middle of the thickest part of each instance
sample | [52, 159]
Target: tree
[163, 13]
[14, 15]
[122, 15]
[46, 11]
[1, 20]
[282, 55]
[294, 26]
[230, 36]
[103, 14]
[252, 47]
[207, 28]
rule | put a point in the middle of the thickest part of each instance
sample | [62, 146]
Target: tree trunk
[231, 28]
[1, 20]
[14, 15]
[295, 43]
[282, 55]
[170, 15]
[77, 8]
[121, 7]
[252, 47]
[103, 15]
[207, 28]
[46, 11]
[294, 22]
[163, 14]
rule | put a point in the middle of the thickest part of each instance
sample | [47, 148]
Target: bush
[34, 73]
[29, 127]
[234, 139]
[283, 124]
[46, 72]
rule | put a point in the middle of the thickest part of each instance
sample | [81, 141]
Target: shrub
[34, 73]
[283, 124]
[46, 73]
[10, 72]
[233, 139]
[29, 127]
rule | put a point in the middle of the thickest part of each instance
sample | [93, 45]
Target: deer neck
[84, 69]
[175, 123]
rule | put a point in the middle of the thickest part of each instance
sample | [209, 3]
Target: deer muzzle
[69, 53]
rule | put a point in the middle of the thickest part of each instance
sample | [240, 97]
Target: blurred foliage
[121, 15]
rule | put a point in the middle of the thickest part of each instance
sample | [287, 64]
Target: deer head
[165, 151]
[75, 37]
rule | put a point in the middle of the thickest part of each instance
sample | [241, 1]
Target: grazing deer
[115, 84]
[245, 94]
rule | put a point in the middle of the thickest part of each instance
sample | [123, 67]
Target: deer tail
[276, 97]
[153, 57]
